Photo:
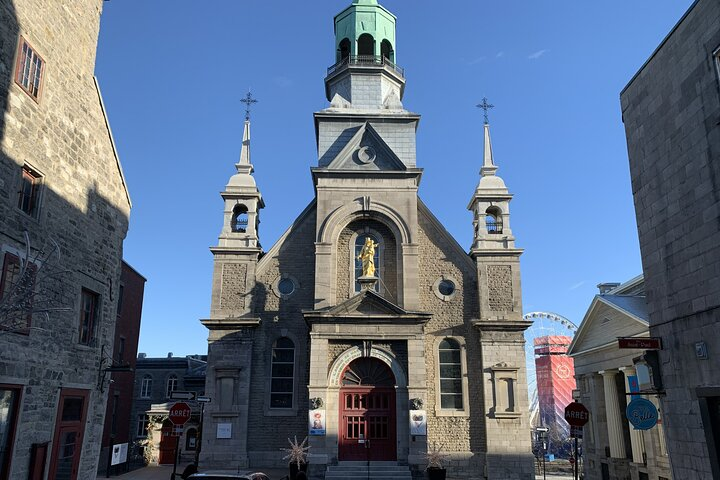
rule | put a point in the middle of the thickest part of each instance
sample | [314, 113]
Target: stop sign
[179, 413]
[576, 414]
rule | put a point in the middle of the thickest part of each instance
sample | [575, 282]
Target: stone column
[636, 436]
[612, 413]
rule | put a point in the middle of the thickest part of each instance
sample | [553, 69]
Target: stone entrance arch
[344, 359]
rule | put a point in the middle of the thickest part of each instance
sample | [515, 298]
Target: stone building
[61, 184]
[118, 414]
[671, 109]
[612, 448]
[155, 380]
[375, 366]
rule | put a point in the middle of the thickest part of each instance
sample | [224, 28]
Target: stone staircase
[360, 471]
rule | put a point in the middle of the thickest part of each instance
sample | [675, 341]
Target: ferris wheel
[544, 325]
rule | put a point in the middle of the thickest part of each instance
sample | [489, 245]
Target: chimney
[142, 355]
[170, 354]
[606, 287]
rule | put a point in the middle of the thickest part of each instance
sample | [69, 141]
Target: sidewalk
[163, 472]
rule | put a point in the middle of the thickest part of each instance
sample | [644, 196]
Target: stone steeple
[490, 204]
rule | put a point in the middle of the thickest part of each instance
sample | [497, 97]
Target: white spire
[488, 167]
[244, 165]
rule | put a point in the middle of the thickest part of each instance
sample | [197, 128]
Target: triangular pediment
[366, 303]
[610, 317]
[366, 150]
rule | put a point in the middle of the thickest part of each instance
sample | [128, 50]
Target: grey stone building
[379, 366]
[60, 181]
[612, 447]
[155, 380]
[671, 110]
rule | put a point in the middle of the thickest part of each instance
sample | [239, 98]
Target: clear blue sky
[172, 73]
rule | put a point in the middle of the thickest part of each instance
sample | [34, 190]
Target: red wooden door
[367, 419]
[167, 445]
[69, 431]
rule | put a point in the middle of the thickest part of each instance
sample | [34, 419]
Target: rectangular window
[282, 374]
[450, 375]
[30, 69]
[21, 287]
[142, 425]
[88, 316]
[29, 193]
[121, 292]
[9, 403]
[716, 57]
[146, 387]
[121, 351]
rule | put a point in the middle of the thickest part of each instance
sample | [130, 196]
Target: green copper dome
[365, 28]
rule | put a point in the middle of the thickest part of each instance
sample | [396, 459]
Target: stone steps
[375, 471]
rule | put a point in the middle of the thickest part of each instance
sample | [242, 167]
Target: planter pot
[436, 473]
[294, 469]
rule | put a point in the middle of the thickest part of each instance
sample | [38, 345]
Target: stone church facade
[427, 352]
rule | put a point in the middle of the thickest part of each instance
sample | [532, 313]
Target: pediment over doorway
[367, 305]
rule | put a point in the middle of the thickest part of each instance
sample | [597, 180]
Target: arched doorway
[367, 412]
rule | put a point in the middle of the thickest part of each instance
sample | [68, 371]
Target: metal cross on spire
[485, 106]
[248, 101]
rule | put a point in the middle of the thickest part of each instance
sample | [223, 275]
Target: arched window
[366, 44]
[493, 220]
[343, 49]
[146, 387]
[359, 242]
[451, 394]
[386, 50]
[282, 383]
[191, 439]
[239, 219]
[172, 385]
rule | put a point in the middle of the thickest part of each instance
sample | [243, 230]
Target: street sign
[177, 430]
[179, 413]
[175, 395]
[542, 429]
[576, 432]
[203, 399]
[642, 413]
[641, 343]
[576, 414]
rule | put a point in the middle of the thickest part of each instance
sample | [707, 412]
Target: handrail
[365, 61]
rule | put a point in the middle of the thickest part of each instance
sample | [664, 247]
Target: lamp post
[542, 438]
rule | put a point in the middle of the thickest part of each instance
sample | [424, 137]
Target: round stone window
[286, 286]
[445, 288]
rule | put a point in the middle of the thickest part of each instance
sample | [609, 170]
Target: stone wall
[83, 206]
[670, 110]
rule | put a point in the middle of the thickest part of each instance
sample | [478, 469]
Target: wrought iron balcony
[365, 61]
[494, 227]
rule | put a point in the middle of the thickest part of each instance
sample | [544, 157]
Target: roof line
[112, 140]
[657, 49]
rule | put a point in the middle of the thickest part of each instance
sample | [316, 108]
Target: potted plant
[296, 456]
[435, 459]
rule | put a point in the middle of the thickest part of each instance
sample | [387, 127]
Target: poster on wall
[316, 422]
[119, 454]
[418, 422]
[224, 430]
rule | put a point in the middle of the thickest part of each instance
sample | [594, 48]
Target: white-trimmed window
[172, 385]
[282, 383]
[451, 382]
[146, 387]
[29, 191]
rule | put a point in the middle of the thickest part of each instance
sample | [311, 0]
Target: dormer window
[240, 219]
[493, 220]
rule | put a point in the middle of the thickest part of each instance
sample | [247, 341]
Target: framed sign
[316, 422]
[224, 430]
[418, 422]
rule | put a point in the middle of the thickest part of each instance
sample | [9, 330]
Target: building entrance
[367, 412]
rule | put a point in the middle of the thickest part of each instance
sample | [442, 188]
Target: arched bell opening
[493, 220]
[386, 50]
[343, 49]
[366, 45]
[239, 221]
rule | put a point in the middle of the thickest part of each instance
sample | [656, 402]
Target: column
[612, 413]
[636, 436]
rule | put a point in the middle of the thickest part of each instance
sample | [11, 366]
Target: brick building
[118, 426]
[378, 366]
[61, 185]
[671, 109]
